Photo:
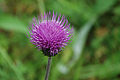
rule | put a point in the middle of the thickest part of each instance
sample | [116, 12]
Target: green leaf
[117, 10]
[9, 61]
[9, 22]
[110, 68]
[103, 5]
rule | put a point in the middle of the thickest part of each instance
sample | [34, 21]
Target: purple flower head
[50, 33]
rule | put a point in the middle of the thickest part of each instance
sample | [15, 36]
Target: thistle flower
[50, 33]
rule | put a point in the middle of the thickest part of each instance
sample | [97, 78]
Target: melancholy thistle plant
[50, 33]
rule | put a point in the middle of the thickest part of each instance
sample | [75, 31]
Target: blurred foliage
[94, 53]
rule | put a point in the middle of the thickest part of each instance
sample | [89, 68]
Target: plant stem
[41, 6]
[48, 68]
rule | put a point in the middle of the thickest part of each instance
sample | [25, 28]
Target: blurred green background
[94, 53]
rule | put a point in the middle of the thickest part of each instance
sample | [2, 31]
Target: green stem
[48, 68]
[41, 6]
